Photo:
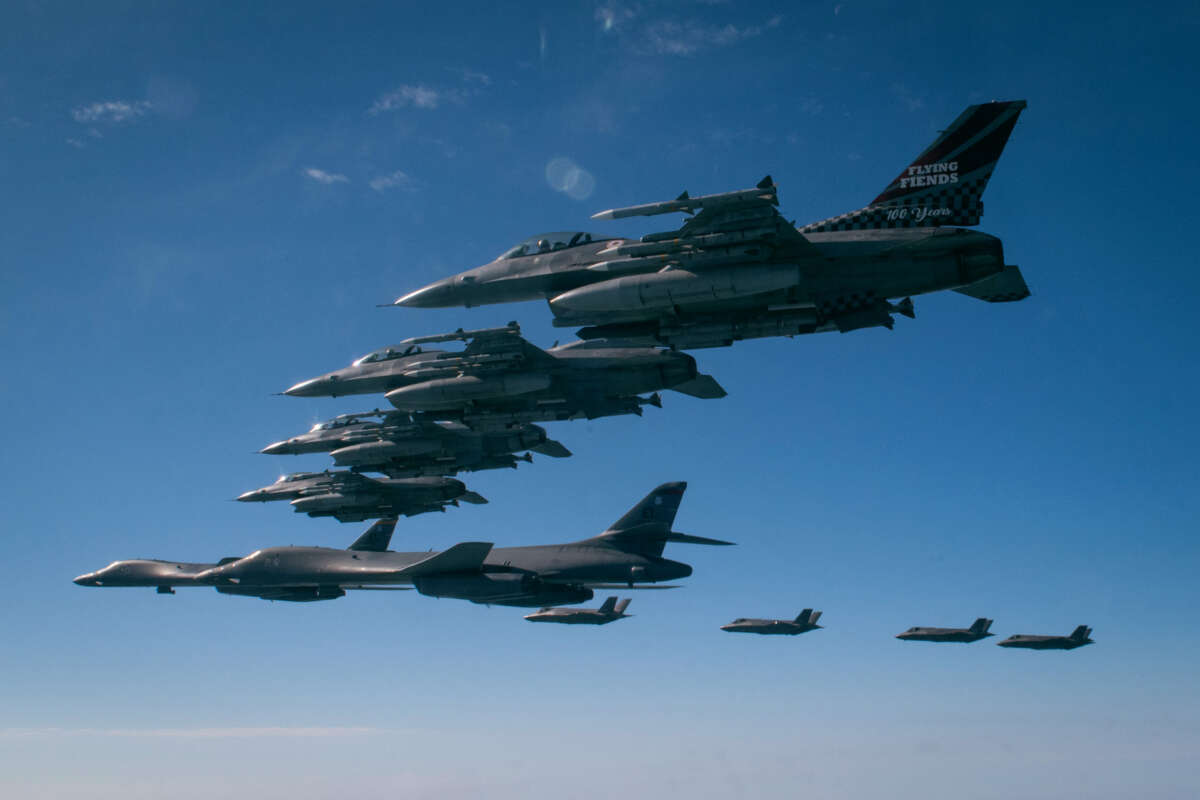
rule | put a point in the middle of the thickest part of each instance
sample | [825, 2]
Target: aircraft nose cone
[310, 388]
[276, 448]
[249, 497]
[439, 294]
[87, 579]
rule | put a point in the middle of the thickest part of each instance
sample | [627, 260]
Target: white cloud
[612, 16]
[321, 176]
[397, 180]
[111, 111]
[191, 733]
[671, 37]
[418, 96]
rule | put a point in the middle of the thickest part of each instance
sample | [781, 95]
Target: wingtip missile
[764, 191]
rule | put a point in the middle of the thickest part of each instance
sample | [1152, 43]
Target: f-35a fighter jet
[351, 497]
[1078, 638]
[402, 446]
[501, 379]
[805, 622]
[738, 270]
[629, 554]
[610, 611]
[977, 631]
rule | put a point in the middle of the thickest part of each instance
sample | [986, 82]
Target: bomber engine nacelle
[295, 594]
[449, 393]
[673, 287]
[508, 589]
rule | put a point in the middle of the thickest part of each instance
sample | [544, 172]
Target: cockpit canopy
[334, 423]
[550, 242]
[386, 353]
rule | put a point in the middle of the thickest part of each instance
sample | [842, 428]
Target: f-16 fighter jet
[1078, 638]
[351, 497]
[609, 612]
[977, 631]
[501, 377]
[738, 270]
[401, 446]
[805, 622]
[629, 554]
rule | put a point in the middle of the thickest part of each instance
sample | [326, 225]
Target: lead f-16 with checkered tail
[737, 269]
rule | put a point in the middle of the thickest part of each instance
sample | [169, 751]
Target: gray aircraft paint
[978, 630]
[629, 553]
[351, 497]
[738, 270]
[1077, 638]
[806, 621]
[610, 611]
[502, 377]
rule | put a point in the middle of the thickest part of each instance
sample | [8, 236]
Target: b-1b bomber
[499, 379]
[737, 269]
[628, 554]
[352, 497]
[400, 445]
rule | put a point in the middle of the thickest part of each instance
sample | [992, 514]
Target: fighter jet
[977, 631]
[805, 622]
[401, 446]
[628, 553]
[609, 612]
[501, 377]
[1078, 638]
[351, 497]
[738, 270]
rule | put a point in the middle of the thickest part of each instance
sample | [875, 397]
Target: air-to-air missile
[1078, 638]
[610, 611]
[737, 269]
[402, 446]
[629, 554]
[499, 379]
[805, 622]
[977, 631]
[352, 497]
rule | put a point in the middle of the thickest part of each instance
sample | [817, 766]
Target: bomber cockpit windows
[548, 243]
[387, 353]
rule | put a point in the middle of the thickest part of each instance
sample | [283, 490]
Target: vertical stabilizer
[621, 606]
[944, 184]
[804, 617]
[1081, 633]
[609, 605]
[657, 509]
[377, 538]
[981, 625]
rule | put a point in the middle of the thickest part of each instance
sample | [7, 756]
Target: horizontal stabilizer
[627, 587]
[552, 448]
[703, 386]
[474, 497]
[675, 536]
[1003, 287]
[462, 557]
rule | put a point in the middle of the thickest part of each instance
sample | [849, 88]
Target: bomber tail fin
[377, 537]
[944, 184]
[981, 625]
[609, 605]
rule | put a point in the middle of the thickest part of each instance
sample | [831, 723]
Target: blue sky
[202, 206]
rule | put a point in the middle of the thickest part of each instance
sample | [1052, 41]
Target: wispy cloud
[406, 96]
[190, 733]
[672, 37]
[397, 180]
[112, 111]
[613, 16]
[321, 176]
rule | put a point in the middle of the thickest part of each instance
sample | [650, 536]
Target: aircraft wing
[462, 557]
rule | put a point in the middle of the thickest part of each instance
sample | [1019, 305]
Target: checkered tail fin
[944, 184]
